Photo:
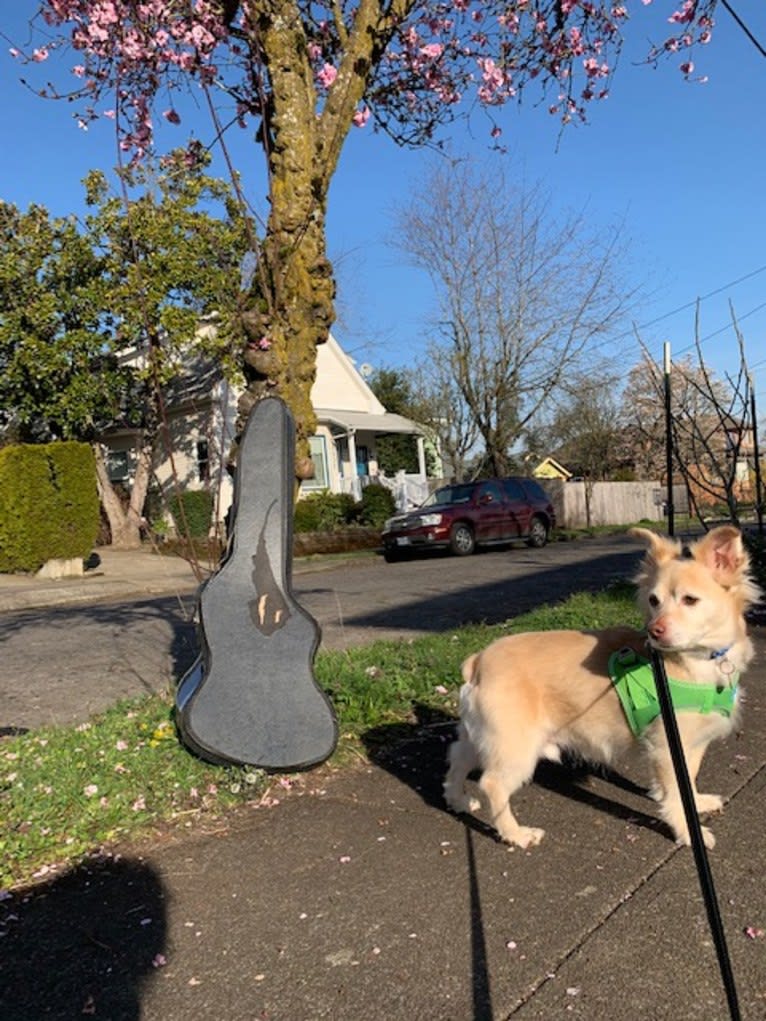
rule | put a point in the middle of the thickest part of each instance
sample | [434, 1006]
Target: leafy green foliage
[133, 279]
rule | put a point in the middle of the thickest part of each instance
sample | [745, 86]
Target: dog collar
[633, 680]
[720, 653]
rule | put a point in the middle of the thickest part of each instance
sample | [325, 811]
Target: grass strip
[68, 792]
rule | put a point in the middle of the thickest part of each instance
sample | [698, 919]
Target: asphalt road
[60, 665]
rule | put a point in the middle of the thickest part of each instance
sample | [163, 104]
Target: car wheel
[538, 533]
[392, 556]
[461, 540]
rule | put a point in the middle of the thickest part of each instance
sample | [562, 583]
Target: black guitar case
[251, 697]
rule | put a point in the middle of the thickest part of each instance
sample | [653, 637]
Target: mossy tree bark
[294, 288]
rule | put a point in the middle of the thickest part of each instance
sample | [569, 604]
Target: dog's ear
[659, 547]
[723, 553]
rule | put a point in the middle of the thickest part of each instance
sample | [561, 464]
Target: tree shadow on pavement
[82, 944]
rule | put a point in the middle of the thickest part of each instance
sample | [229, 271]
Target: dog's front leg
[665, 788]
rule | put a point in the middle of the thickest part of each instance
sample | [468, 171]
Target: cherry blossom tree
[307, 73]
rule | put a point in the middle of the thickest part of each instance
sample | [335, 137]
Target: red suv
[462, 516]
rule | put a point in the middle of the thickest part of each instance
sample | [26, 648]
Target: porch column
[421, 457]
[355, 486]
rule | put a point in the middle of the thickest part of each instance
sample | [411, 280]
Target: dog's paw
[527, 836]
[707, 837]
[708, 803]
[460, 803]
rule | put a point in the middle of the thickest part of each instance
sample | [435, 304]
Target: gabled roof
[550, 468]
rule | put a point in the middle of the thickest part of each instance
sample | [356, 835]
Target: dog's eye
[654, 601]
[690, 600]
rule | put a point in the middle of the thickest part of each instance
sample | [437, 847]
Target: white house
[200, 427]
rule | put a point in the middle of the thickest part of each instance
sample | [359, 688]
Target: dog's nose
[658, 628]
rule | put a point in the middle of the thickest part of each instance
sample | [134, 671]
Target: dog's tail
[469, 671]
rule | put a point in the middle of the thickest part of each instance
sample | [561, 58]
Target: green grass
[68, 792]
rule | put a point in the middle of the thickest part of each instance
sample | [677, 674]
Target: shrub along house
[199, 426]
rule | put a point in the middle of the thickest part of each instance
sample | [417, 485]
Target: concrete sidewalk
[120, 574]
[355, 896]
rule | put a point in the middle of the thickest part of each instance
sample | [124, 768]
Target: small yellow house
[551, 469]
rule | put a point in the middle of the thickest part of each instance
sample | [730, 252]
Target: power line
[691, 304]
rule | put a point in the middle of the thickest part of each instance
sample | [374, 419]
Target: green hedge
[49, 506]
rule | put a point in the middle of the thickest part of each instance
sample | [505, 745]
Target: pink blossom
[688, 67]
[361, 117]
[172, 116]
[686, 13]
[327, 75]
[40, 54]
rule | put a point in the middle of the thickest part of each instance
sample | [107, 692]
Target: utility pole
[756, 454]
[669, 442]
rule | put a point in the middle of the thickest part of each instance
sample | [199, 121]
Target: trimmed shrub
[324, 511]
[377, 504]
[49, 507]
[74, 470]
[192, 512]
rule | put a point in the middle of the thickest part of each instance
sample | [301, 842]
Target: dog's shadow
[416, 754]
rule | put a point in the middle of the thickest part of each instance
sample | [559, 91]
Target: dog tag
[251, 697]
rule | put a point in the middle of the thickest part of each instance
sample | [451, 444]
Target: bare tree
[583, 430]
[642, 410]
[716, 470]
[439, 404]
[522, 297]
[711, 426]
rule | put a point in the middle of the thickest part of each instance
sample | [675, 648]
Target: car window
[492, 490]
[514, 489]
[534, 490]
[450, 495]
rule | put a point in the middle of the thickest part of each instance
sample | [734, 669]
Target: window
[203, 460]
[118, 465]
[490, 492]
[318, 450]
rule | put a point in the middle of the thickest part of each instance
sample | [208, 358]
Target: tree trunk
[125, 526]
[294, 289]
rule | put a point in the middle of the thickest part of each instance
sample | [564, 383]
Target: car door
[491, 514]
[517, 509]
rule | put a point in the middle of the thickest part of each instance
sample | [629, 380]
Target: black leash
[695, 832]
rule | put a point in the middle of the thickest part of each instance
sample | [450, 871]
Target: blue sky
[681, 164]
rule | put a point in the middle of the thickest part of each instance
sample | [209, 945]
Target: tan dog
[532, 696]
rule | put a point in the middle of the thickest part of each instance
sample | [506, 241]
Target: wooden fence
[581, 504]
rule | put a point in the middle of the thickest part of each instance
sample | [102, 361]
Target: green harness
[633, 681]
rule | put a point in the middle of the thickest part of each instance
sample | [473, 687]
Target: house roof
[550, 468]
[362, 420]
